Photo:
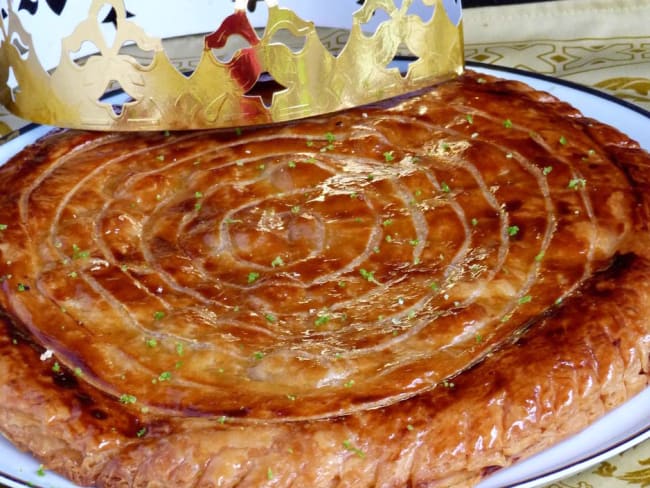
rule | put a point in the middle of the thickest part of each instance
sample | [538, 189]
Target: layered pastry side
[414, 294]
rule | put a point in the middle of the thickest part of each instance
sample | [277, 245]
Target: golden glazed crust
[405, 295]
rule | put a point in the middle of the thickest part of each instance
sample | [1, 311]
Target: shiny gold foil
[217, 94]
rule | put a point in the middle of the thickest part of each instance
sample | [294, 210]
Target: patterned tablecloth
[604, 44]
[601, 43]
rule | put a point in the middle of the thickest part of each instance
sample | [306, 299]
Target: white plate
[619, 430]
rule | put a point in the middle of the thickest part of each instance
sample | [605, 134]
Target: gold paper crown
[217, 94]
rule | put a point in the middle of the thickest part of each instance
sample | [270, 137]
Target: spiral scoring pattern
[312, 269]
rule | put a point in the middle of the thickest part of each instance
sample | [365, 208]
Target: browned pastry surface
[404, 295]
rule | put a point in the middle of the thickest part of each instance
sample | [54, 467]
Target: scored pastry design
[314, 285]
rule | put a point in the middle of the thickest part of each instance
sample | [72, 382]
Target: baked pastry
[410, 294]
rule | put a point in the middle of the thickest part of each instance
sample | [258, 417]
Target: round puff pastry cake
[410, 294]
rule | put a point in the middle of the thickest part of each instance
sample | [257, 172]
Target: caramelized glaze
[361, 265]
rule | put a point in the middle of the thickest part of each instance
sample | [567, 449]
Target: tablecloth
[601, 43]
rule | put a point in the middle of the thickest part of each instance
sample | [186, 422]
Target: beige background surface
[601, 43]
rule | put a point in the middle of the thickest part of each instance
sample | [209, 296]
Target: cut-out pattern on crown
[219, 93]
